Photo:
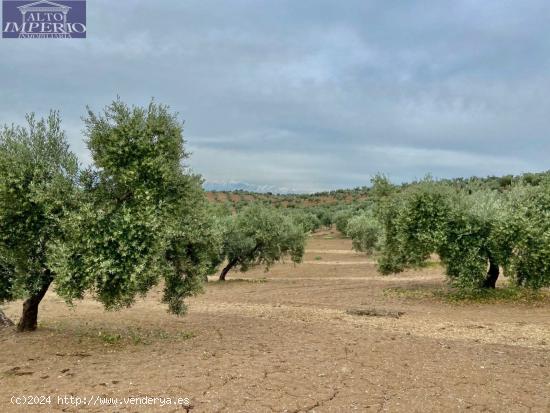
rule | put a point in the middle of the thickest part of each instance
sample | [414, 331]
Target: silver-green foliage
[474, 237]
[260, 235]
[414, 226]
[341, 218]
[470, 232]
[307, 220]
[529, 227]
[366, 232]
[38, 176]
[140, 217]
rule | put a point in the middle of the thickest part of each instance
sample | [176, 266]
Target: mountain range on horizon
[228, 186]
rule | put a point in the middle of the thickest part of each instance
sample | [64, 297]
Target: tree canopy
[38, 176]
[476, 234]
[135, 217]
[365, 231]
[139, 218]
[260, 235]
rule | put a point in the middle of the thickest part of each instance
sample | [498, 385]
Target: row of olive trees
[475, 234]
[136, 217]
[260, 235]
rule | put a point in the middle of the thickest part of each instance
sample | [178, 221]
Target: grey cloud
[310, 94]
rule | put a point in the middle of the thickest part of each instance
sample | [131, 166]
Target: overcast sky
[309, 94]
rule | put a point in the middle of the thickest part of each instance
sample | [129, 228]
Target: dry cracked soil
[329, 335]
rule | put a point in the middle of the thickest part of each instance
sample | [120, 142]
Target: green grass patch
[416, 292]
[118, 337]
[506, 294]
[240, 280]
[502, 294]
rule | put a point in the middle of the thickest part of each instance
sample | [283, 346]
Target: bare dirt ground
[282, 341]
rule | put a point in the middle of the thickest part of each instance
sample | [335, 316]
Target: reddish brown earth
[286, 344]
[311, 200]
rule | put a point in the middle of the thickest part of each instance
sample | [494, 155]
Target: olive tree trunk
[5, 321]
[492, 275]
[29, 316]
[227, 268]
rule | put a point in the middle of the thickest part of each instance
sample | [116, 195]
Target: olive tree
[528, 226]
[467, 230]
[341, 218]
[414, 225]
[260, 235]
[324, 216]
[366, 227]
[365, 232]
[475, 245]
[381, 187]
[38, 177]
[307, 220]
[193, 250]
[139, 219]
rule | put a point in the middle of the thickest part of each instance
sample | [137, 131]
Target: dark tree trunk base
[226, 269]
[492, 276]
[5, 321]
[224, 273]
[29, 317]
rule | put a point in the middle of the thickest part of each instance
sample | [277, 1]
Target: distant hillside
[286, 200]
[244, 186]
[239, 192]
